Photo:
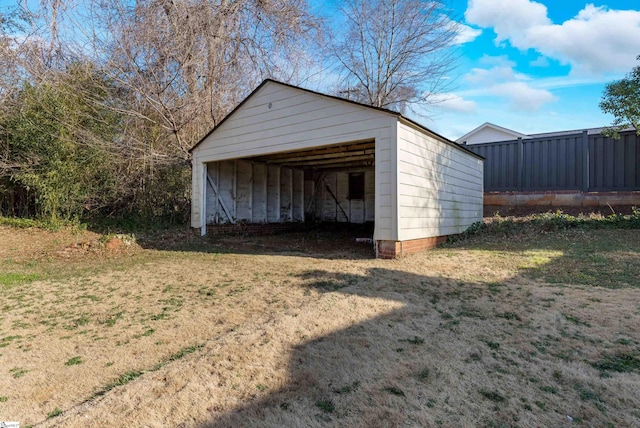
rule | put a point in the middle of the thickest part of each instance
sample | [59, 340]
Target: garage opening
[327, 184]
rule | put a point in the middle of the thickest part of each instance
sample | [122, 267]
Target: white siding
[439, 186]
[489, 135]
[278, 118]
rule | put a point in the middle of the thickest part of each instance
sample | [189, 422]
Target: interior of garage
[328, 184]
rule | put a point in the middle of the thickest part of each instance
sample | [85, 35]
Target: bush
[549, 222]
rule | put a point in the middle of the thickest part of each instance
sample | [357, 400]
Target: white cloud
[541, 61]
[522, 96]
[501, 80]
[501, 70]
[466, 34]
[507, 18]
[453, 102]
[596, 41]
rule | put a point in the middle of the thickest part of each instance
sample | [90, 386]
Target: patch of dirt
[19, 245]
[34, 243]
[326, 241]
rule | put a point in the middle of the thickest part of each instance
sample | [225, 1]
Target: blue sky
[537, 66]
[528, 65]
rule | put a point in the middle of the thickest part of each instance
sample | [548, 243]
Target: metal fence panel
[567, 162]
[500, 165]
[552, 163]
[613, 164]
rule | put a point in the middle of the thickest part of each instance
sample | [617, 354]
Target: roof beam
[341, 160]
[321, 157]
[322, 151]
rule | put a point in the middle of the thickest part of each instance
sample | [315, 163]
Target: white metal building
[287, 154]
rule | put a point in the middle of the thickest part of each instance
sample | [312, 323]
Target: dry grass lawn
[527, 329]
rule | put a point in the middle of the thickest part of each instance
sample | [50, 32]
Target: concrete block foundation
[562, 199]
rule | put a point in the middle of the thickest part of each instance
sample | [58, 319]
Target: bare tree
[395, 52]
[188, 63]
[169, 70]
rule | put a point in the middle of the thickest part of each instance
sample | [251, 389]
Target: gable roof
[489, 125]
[333, 97]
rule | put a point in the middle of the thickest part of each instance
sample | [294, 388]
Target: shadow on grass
[456, 347]
[361, 375]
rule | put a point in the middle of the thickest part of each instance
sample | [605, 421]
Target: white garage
[287, 154]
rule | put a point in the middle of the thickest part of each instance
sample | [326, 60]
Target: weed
[550, 389]
[55, 412]
[348, 389]
[394, 391]
[326, 405]
[122, 380]
[13, 278]
[111, 321]
[475, 229]
[510, 316]
[492, 395]
[492, 345]
[576, 320]
[261, 387]
[587, 394]
[424, 373]
[148, 332]
[541, 405]
[431, 402]
[160, 316]
[5, 341]
[74, 361]
[415, 341]
[83, 320]
[622, 362]
[329, 285]
[4, 399]
[495, 287]
[185, 351]
[471, 313]
[18, 372]
[204, 291]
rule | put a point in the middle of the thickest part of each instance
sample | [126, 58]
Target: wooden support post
[337, 203]
[316, 186]
[219, 199]
[203, 201]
